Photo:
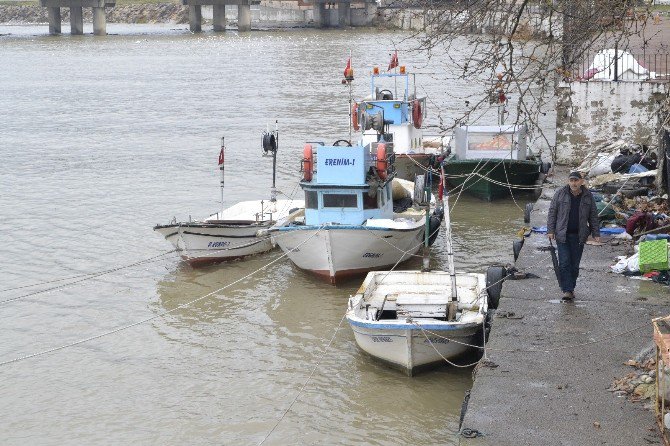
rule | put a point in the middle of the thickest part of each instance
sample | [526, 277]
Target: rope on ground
[161, 314]
[309, 378]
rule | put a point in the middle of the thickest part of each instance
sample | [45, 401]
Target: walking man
[572, 218]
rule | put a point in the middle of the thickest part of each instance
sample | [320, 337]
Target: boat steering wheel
[387, 95]
[344, 141]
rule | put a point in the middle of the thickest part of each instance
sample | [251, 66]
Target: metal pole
[616, 62]
[450, 251]
[221, 165]
[273, 192]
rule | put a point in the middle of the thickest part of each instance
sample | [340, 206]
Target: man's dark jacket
[559, 211]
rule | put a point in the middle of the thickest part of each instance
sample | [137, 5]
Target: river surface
[101, 139]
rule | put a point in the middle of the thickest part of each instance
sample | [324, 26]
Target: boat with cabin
[233, 232]
[351, 224]
[394, 114]
[491, 162]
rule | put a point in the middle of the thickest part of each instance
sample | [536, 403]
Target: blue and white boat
[402, 317]
[349, 225]
[394, 111]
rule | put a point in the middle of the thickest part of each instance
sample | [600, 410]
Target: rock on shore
[146, 13]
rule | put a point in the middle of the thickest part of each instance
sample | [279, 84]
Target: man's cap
[575, 174]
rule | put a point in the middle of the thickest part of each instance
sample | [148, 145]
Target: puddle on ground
[575, 303]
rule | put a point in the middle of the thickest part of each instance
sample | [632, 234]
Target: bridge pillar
[219, 17]
[76, 20]
[244, 18]
[319, 14]
[54, 20]
[99, 21]
[344, 14]
[195, 18]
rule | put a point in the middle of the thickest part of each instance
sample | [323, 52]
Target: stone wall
[589, 114]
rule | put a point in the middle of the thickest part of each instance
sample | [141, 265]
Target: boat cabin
[392, 112]
[490, 142]
[347, 185]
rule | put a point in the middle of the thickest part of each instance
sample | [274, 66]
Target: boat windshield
[489, 141]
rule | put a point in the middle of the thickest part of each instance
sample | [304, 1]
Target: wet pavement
[552, 362]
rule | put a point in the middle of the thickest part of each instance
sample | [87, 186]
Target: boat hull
[334, 253]
[200, 244]
[406, 347]
[493, 176]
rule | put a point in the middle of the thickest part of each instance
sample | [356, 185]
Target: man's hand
[551, 236]
[597, 239]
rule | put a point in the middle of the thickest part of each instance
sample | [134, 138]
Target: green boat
[492, 162]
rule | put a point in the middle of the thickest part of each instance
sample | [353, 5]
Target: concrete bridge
[317, 13]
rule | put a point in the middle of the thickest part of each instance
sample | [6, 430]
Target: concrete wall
[589, 114]
[268, 15]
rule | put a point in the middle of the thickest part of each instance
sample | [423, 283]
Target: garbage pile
[620, 167]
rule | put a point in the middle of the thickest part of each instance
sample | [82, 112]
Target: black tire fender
[495, 276]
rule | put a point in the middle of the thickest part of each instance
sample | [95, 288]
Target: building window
[311, 200]
[340, 201]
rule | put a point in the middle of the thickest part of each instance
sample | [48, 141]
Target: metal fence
[622, 65]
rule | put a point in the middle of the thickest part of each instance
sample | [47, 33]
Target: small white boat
[412, 319]
[230, 234]
[401, 317]
[349, 225]
[237, 231]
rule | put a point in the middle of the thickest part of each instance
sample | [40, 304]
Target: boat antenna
[221, 165]
[348, 78]
[453, 305]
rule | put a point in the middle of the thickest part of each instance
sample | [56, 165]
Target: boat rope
[85, 274]
[540, 350]
[509, 186]
[93, 275]
[304, 385]
[423, 332]
[82, 278]
[157, 315]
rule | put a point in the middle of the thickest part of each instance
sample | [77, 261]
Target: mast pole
[450, 250]
[221, 166]
[273, 191]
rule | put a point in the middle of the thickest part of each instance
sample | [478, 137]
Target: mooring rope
[161, 314]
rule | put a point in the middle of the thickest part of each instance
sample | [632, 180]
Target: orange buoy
[381, 161]
[354, 116]
[417, 115]
[307, 162]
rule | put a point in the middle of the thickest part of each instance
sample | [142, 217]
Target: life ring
[417, 115]
[307, 162]
[354, 117]
[382, 164]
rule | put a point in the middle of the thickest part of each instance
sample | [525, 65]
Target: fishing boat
[413, 320]
[351, 224]
[491, 162]
[233, 232]
[394, 114]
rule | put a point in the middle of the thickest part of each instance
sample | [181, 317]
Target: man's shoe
[568, 296]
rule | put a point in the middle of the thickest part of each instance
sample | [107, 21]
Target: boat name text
[372, 255]
[340, 162]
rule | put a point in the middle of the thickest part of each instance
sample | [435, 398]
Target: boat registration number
[217, 244]
[381, 339]
[436, 341]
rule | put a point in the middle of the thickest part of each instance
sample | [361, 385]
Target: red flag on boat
[221, 156]
[394, 61]
[347, 69]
